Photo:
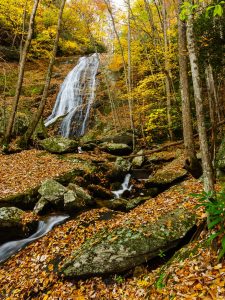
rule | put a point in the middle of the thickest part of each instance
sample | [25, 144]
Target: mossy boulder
[21, 122]
[52, 191]
[76, 198]
[11, 226]
[59, 145]
[138, 161]
[122, 138]
[132, 203]
[52, 196]
[118, 171]
[116, 149]
[113, 204]
[168, 175]
[123, 248]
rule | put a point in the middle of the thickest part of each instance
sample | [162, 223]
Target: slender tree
[167, 70]
[191, 162]
[126, 71]
[21, 73]
[204, 147]
[25, 139]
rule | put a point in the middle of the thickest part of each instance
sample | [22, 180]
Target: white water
[10, 248]
[124, 187]
[75, 97]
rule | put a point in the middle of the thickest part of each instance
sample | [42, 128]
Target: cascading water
[10, 248]
[124, 187]
[75, 97]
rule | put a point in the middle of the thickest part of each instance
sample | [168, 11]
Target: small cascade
[10, 248]
[75, 97]
[124, 187]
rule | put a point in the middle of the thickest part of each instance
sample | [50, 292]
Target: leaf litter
[31, 273]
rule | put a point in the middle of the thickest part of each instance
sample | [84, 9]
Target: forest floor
[31, 274]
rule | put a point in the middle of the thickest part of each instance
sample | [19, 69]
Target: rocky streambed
[131, 226]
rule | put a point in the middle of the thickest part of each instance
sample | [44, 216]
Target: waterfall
[75, 97]
[124, 187]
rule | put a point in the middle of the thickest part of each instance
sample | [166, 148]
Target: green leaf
[214, 223]
[221, 254]
[213, 236]
[218, 11]
[223, 242]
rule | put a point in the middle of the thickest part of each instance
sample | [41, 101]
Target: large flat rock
[123, 248]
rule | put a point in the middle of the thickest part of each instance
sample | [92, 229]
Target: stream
[44, 226]
[124, 187]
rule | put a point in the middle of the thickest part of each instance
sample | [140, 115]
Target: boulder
[138, 161]
[123, 138]
[161, 157]
[122, 165]
[98, 191]
[72, 202]
[120, 168]
[52, 191]
[115, 149]
[10, 216]
[168, 175]
[42, 206]
[76, 198]
[124, 248]
[132, 203]
[20, 126]
[114, 204]
[59, 145]
[11, 226]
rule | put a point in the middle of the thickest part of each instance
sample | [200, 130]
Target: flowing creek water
[75, 97]
[126, 186]
[44, 226]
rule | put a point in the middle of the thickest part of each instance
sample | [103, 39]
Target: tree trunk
[212, 108]
[206, 162]
[21, 73]
[109, 8]
[192, 163]
[167, 72]
[130, 97]
[25, 139]
[23, 28]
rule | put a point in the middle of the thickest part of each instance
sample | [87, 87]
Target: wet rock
[123, 248]
[59, 145]
[25, 200]
[120, 168]
[116, 149]
[89, 146]
[10, 216]
[11, 226]
[98, 191]
[141, 173]
[42, 206]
